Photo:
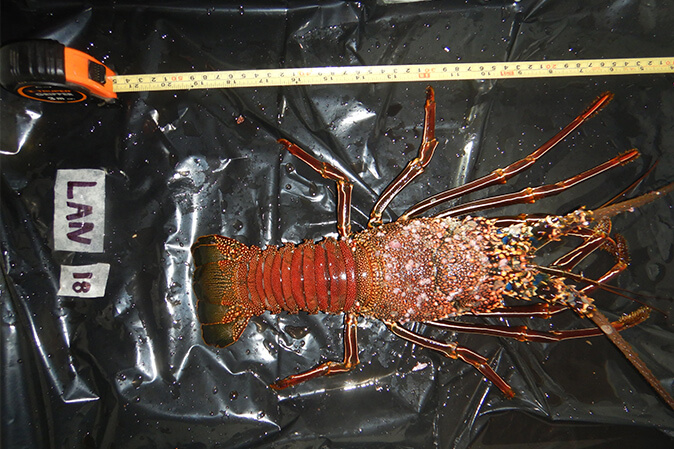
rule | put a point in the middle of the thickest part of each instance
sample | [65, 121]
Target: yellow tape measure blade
[391, 73]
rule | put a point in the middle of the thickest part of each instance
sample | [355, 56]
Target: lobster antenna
[605, 325]
[629, 205]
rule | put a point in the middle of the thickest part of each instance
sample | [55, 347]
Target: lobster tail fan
[223, 319]
[216, 328]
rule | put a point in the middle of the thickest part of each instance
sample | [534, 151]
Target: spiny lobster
[426, 269]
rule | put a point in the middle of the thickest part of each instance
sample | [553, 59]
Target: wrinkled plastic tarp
[129, 369]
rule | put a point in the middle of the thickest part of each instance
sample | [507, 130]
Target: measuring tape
[48, 71]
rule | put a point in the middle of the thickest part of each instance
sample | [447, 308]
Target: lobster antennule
[223, 317]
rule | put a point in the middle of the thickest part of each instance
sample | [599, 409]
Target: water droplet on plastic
[215, 390]
[233, 395]
[137, 381]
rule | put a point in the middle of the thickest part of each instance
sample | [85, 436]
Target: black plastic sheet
[129, 369]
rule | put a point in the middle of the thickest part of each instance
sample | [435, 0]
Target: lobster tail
[215, 328]
[222, 313]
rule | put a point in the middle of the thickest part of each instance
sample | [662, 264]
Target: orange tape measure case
[46, 70]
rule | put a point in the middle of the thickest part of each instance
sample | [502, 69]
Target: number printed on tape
[84, 281]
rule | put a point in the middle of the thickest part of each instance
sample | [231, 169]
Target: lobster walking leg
[344, 186]
[630, 187]
[523, 333]
[593, 239]
[454, 351]
[531, 194]
[616, 246]
[415, 167]
[501, 175]
[327, 368]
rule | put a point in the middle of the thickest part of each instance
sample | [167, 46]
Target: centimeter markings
[390, 73]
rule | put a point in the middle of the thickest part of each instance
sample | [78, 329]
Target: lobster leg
[415, 167]
[631, 187]
[533, 219]
[454, 351]
[523, 333]
[501, 175]
[531, 194]
[594, 239]
[328, 368]
[616, 246]
[344, 185]
[538, 310]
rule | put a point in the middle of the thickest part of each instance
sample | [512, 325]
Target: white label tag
[79, 210]
[84, 281]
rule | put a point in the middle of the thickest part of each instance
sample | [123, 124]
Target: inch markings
[390, 73]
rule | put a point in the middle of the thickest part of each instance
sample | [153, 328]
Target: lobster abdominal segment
[310, 277]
